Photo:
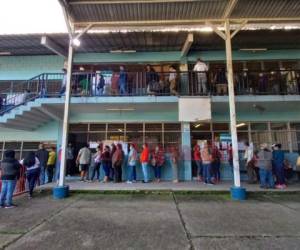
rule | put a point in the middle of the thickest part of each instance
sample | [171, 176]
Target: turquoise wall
[25, 67]
[48, 132]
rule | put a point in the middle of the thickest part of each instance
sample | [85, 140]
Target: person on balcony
[144, 158]
[123, 81]
[114, 87]
[220, 81]
[100, 85]
[84, 160]
[10, 173]
[263, 83]
[173, 81]
[152, 80]
[131, 166]
[201, 73]
[117, 163]
[42, 154]
[64, 83]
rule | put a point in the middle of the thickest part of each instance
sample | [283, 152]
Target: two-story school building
[160, 34]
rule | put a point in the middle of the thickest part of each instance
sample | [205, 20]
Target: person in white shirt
[201, 68]
[248, 157]
[172, 80]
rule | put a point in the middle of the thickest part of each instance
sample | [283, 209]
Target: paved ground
[168, 221]
[75, 184]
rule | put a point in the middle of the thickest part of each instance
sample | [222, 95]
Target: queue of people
[112, 159]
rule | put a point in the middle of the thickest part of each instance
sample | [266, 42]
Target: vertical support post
[237, 192]
[186, 151]
[62, 191]
[66, 118]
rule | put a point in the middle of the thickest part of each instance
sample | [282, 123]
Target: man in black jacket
[42, 154]
[10, 173]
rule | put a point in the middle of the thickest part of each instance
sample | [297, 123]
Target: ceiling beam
[229, 8]
[53, 46]
[187, 44]
[128, 1]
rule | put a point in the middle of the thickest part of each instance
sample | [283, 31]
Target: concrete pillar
[186, 173]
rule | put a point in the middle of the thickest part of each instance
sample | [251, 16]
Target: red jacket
[144, 155]
[197, 155]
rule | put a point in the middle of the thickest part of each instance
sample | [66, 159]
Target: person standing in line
[10, 173]
[159, 158]
[117, 162]
[51, 164]
[42, 154]
[216, 163]
[144, 158]
[278, 161]
[70, 159]
[172, 81]
[32, 164]
[84, 160]
[201, 72]
[122, 81]
[132, 161]
[112, 170]
[206, 160]
[248, 156]
[265, 167]
[198, 161]
[106, 163]
[174, 158]
[96, 164]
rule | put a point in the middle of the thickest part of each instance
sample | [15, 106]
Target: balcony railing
[188, 83]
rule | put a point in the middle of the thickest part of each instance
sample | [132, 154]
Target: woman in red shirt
[144, 161]
[198, 161]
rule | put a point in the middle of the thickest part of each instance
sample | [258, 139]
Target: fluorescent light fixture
[5, 53]
[76, 42]
[254, 49]
[120, 130]
[120, 109]
[206, 29]
[241, 125]
[122, 51]
[198, 125]
[81, 68]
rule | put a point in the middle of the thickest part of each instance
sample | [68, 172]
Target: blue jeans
[32, 177]
[131, 173]
[199, 168]
[266, 178]
[279, 172]
[106, 169]
[157, 172]
[145, 171]
[206, 172]
[7, 191]
[216, 170]
[43, 175]
[122, 88]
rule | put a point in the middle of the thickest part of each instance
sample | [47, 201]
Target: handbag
[298, 164]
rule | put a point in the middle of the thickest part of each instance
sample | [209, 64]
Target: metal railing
[189, 83]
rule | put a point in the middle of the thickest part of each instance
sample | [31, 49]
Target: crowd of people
[269, 167]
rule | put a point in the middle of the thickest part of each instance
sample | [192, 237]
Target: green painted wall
[25, 67]
[48, 132]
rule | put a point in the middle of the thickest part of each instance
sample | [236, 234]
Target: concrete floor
[168, 221]
[75, 184]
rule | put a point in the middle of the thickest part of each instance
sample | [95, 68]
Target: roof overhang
[116, 14]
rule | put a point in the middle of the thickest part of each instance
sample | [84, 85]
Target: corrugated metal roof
[102, 11]
[151, 41]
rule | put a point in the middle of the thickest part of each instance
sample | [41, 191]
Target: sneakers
[10, 206]
[129, 182]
